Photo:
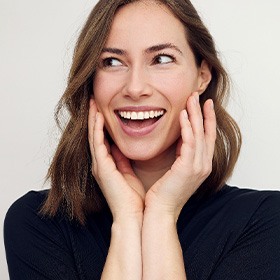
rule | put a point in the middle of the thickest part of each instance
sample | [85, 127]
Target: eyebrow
[114, 51]
[161, 47]
[151, 49]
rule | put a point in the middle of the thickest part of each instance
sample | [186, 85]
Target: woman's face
[146, 73]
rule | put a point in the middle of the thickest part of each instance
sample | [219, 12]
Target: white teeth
[134, 116]
[140, 115]
[146, 115]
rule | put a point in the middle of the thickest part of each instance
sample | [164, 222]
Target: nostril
[137, 86]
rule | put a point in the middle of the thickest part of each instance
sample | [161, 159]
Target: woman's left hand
[193, 162]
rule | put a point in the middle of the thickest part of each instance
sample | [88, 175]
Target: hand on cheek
[194, 159]
[111, 169]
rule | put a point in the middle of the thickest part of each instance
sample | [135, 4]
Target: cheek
[176, 87]
[98, 88]
[103, 90]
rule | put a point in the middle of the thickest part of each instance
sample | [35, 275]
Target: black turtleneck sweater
[233, 235]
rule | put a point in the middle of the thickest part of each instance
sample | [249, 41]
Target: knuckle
[202, 171]
[192, 144]
[207, 169]
[197, 171]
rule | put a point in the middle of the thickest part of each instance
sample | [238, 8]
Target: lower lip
[139, 132]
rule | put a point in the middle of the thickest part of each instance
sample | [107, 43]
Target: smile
[139, 122]
[142, 115]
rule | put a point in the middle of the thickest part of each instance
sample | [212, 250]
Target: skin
[147, 180]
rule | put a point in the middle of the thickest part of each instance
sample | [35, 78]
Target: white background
[36, 43]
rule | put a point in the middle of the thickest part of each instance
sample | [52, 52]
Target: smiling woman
[151, 71]
[138, 181]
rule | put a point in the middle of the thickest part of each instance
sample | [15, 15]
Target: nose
[137, 83]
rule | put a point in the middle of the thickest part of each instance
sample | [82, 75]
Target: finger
[106, 142]
[196, 121]
[104, 165]
[210, 127]
[122, 162]
[91, 122]
[124, 167]
[99, 147]
[187, 141]
[179, 146]
[195, 116]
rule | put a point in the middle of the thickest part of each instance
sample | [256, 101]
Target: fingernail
[212, 104]
[185, 114]
[195, 98]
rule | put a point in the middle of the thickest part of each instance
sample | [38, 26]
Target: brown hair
[74, 190]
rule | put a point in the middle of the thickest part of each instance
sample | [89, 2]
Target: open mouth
[141, 119]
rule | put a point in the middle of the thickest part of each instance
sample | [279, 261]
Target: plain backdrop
[36, 44]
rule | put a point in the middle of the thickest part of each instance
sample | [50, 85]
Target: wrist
[162, 207]
[161, 215]
[128, 219]
[163, 211]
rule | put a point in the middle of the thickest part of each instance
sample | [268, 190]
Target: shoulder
[33, 199]
[249, 213]
[242, 204]
[252, 223]
[266, 201]
[229, 230]
[232, 209]
[35, 243]
[30, 237]
[24, 216]
[26, 207]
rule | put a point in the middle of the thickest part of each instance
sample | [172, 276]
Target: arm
[124, 260]
[124, 194]
[162, 253]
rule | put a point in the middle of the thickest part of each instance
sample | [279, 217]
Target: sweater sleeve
[256, 253]
[36, 247]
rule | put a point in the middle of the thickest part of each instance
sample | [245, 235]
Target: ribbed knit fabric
[234, 235]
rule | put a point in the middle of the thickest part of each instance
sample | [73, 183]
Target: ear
[204, 77]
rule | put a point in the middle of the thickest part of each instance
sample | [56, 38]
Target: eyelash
[173, 59]
[105, 61]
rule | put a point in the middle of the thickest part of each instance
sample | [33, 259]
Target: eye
[111, 62]
[163, 59]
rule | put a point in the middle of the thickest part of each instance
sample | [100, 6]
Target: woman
[138, 179]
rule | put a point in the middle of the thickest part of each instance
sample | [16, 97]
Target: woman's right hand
[120, 186]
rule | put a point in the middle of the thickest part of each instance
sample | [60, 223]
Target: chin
[139, 156]
[148, 152]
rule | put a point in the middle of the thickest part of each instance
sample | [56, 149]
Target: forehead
[148, 22]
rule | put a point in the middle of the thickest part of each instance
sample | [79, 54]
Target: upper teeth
[140, 115]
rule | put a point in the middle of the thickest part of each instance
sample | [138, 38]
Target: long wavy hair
[74, 191]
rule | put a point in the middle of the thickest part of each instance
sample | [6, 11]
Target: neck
[152, 170]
